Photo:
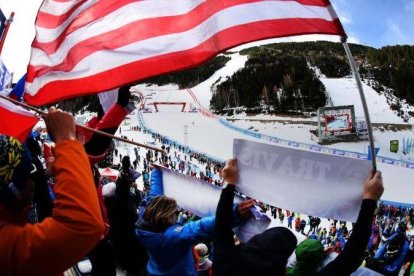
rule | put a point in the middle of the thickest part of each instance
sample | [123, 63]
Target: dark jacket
[264, 254]
[129, 252]
[227, 259]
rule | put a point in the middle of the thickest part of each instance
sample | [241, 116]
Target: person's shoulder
[183, 231]
[176, 235]
[177, 228]
[173, 230]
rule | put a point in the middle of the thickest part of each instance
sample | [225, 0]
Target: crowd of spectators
[76, 216]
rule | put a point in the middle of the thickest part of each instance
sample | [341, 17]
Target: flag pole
[363, 100]
[6, 30]
[41, 112]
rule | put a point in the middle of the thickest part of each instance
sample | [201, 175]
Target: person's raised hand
[243, 209]
[124, 94]
[230, 172]
[373, 187]
[60, 125]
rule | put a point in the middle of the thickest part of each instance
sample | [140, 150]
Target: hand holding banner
[302, 181]
[192, 194]
[201, 199]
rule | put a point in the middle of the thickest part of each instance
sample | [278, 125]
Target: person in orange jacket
[76, 225]
[97, 147]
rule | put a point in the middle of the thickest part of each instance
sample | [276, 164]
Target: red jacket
[57, 243]
[112, 119]
[297, 222]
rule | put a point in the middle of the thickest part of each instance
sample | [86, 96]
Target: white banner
[195, 195]
[312, 183]
[201, 198]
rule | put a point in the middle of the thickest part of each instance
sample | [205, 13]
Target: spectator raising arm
[225, 257]
[351, 258]
[57, 243]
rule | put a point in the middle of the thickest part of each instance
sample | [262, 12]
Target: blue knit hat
[15, 168]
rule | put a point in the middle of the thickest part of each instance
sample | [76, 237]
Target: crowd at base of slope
[115, 225]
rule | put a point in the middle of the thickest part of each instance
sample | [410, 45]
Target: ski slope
[204, 134]
[210, 136]
[345, 92]
[203, 90]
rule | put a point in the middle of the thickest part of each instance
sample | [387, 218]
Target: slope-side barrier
[309, 147]
[233, 127]
[316, 148]
[283, 142]
[200, 108]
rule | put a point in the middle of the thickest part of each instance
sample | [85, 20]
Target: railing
[305, 146]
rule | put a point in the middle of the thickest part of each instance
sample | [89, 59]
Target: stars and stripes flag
[16, 121]
[90, 46]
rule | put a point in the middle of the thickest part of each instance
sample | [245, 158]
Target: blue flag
[18, 90]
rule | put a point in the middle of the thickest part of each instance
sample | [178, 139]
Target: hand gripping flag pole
[363, 100]
[41, 112]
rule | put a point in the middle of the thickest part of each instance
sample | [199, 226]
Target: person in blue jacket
[391, 255]
[168, 243]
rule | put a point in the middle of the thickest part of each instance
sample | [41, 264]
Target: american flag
[90, 46]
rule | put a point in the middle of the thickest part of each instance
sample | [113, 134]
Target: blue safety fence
[293, 144]
[284, 142]
[311, 147]
[232, 126]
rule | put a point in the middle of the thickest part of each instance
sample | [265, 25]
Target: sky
[374, 23]
[377, 23]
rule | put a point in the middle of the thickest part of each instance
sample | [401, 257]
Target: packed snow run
[207, 134]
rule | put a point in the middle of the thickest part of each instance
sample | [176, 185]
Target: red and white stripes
[203, 111]
[89, 46]
[16, 121]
